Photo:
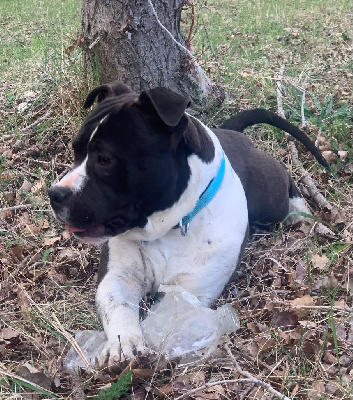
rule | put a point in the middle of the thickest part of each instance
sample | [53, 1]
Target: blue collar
[205, 198]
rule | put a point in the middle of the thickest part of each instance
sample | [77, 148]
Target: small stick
[267, 386]
[18, 207]
[36, 122]
[211, 384]
[313, 307]
[188, 40]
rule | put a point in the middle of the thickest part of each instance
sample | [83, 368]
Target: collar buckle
[184, 229]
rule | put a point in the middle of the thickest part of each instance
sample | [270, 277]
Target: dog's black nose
[59, 194]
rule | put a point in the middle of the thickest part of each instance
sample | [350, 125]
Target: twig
[204, 81]
[72, 341]
[188, 40]
[305, 177]
[211, 384]
[254, 296]
[18, 207]
[252, 379]
[348, 310]
[36, 122]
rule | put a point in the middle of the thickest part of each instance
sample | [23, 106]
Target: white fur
[297, 204]
[202, 262]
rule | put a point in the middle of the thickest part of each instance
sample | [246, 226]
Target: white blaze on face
[77, 178]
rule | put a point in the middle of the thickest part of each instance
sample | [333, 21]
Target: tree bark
[124, 40]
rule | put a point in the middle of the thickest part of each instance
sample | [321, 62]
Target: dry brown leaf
[26, 186]
[253, 348]
[39, 187]
[326, 282]
[284, 319]
[30, 367]
[39, 378]
[213, 393]
[143, 374]
[338, 216]
[9, 333]
[302, 301]
[300, 272]
[309, 348]
[319, 262]
[317, 389]
[331, 387]
[253, 327]
[197, 378]
[330, 358]
[294, 390]
[24, 304]
[16, 251]
[323, 230]
[265, 344]
[308, 324]
[51, 241]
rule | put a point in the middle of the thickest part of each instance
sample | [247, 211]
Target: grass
[48, 279]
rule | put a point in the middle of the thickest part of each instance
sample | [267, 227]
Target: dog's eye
[103, 160]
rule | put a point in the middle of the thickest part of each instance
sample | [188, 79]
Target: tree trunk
[128, 40]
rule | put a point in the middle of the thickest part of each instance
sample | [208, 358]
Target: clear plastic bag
[180, 326]
[177, 326]
[91, 344]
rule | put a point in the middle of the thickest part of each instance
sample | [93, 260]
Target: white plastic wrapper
[177, 326]
[180, 326]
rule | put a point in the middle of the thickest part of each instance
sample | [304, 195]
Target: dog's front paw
[121, 350]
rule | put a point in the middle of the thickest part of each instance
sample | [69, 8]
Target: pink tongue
[72, 229]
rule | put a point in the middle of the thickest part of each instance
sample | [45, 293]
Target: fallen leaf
[330, 358]
[26, 186]
[265, 344]
[51, 241]
[294, 390]
[302, 301]
[30, 367]
[213, 393]
[17, 252]
[284, 319]
[317, 388]
[331, 387]
[9, 333]
[319, 262]
[39, 187]
[342, 154]
[323, 230]
[39, 378]
[300, 272]
[309, 348]
[308, 324]
[326, 282]
[197, 378]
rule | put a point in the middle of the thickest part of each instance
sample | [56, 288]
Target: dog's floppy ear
[170, 106]
[112, 89]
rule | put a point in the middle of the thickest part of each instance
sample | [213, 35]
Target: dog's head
[130, 161]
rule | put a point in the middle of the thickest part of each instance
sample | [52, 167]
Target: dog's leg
[118, 295]
[296, 204]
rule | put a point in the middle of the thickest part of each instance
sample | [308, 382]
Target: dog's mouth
[93, 235]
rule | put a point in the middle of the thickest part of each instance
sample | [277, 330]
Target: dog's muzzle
[59, 196]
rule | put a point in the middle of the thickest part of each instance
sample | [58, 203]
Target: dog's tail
[244, 119]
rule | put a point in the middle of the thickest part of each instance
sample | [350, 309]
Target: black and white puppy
[171, 197]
